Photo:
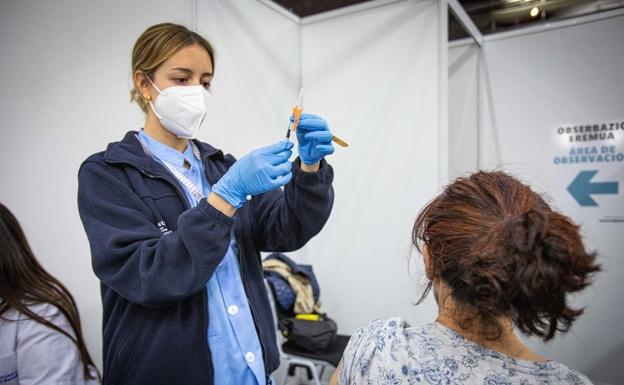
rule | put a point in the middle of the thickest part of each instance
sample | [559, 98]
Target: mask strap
[150, 102]
[152, 83]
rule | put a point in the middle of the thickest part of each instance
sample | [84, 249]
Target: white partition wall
[537, 85]
[373, 74]
[65, 69]
[257, 75]
[463, 117]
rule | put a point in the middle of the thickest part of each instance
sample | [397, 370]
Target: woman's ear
[142, 84]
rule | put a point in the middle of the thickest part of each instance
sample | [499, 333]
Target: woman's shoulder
[45, 311]
[128, 146]
[574, 377]
[93, 164]
[42, 309]
[394, 323]
[378, 330]
[392, 351]
[41, 349]
[18, 325]
[392, 329]
[382, 350]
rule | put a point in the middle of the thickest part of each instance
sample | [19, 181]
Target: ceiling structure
[303, 8]
[490, 16]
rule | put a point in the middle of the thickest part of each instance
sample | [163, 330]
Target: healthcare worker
[176, 227]
[40, 336]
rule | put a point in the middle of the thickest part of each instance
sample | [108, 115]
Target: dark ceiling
[489, 15]
[303, 8]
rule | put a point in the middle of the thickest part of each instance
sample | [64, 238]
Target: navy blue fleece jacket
[154, 255]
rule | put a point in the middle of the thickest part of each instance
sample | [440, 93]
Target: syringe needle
[300, 98]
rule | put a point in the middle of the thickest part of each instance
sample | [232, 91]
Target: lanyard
[190, 186]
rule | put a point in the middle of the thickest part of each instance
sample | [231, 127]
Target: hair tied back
[523, 233]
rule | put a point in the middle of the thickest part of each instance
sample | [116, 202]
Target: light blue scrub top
[236, 351]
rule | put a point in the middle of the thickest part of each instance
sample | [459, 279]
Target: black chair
[293, 357]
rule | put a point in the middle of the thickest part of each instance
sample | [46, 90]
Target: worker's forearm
[310, 167]
[221, 204]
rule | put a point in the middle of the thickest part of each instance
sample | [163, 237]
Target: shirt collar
[166, 153]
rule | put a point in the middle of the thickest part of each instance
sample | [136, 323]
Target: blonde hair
[157, 44]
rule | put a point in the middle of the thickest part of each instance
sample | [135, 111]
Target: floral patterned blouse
[391, 352]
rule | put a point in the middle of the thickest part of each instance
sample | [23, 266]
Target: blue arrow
[581, 188]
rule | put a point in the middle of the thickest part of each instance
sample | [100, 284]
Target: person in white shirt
[40, 337]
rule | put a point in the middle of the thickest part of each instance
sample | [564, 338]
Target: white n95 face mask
[181, 109]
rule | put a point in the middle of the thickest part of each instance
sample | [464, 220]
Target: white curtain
[374, 76]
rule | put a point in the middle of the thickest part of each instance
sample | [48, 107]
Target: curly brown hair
[503, 252]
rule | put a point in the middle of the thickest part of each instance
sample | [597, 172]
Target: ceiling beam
[465, 21]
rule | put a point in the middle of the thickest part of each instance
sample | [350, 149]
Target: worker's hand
[259, 171]
[314, 137]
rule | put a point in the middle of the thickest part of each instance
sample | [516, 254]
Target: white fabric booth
[416, 112]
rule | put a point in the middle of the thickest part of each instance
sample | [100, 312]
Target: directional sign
[581, 188]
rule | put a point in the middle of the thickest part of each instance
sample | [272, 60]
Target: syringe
[296, 112]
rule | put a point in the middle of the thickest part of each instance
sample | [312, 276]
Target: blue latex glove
[259, 171]
[314, 137]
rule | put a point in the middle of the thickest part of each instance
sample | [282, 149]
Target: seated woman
[497, 257]
[40, 337]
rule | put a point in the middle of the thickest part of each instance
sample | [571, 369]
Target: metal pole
[443, 90]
